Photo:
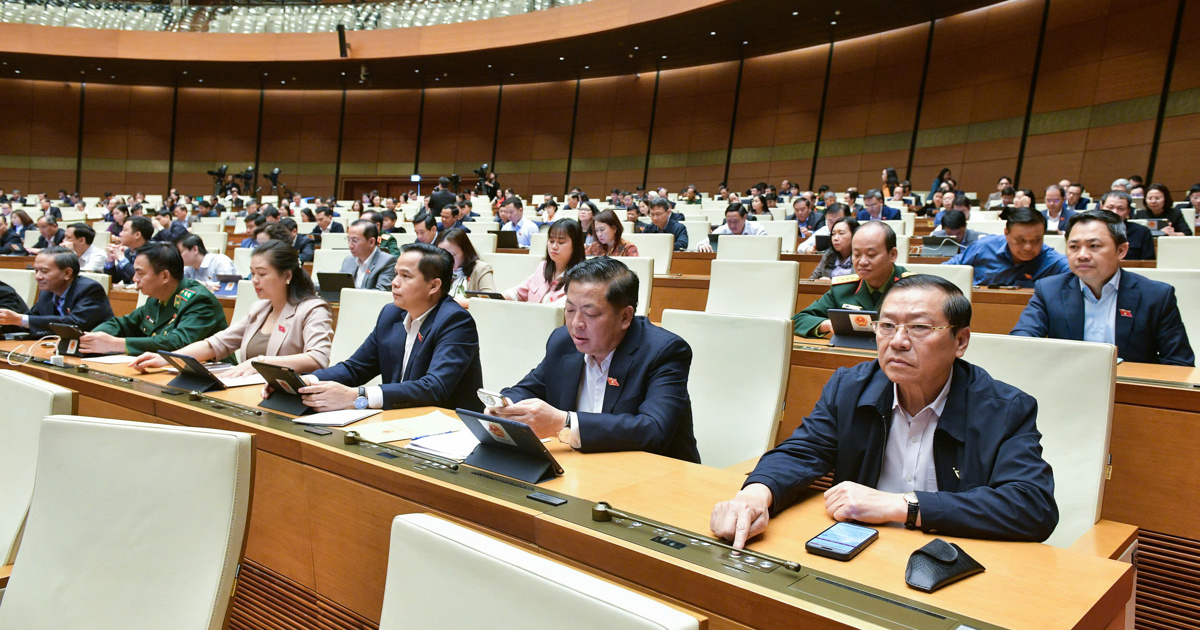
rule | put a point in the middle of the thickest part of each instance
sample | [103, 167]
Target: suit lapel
[1128, 297]
[621, 361]
[422, 335]
[283, 324]
[1072, 299]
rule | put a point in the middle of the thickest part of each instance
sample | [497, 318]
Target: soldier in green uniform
[874, 254]
[387, 242]
[177, 312]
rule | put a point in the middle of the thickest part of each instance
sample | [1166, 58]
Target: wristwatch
[914, 510]
[361, 402]
[564, 434]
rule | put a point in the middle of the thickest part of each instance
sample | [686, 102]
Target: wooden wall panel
[611, 133]
[39, 135]
[214, 127]
[535, 137]
[380, 133]
[300, 135]
[691, 128]
[126, 138]
[1176, 165]
[457, 130]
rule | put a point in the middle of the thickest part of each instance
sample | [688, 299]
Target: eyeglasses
[915, 331]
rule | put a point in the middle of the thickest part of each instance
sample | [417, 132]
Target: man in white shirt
[833, 212]
[201, 265]
[735, 225]
[517, 222]
[79, 239]
[372, 267]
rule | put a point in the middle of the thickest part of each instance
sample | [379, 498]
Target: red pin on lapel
[1126, 313]
[612, 381]
[282, 329]
[420, 338]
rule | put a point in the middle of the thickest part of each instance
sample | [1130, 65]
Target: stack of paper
[456, 446]
[339, 418]
[434, 423]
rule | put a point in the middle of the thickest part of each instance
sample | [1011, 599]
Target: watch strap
[914, 510]
[362, 392]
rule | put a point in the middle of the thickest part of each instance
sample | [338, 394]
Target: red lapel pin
[282, 329]
[612, 381]
[420, 338]
[1126, 313]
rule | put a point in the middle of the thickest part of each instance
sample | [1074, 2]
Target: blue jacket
[888, 214]
[444, 368]
[648, 408]
[121, 270]
[85, 306]
[987, 453]
[673, 228]
[1141, 242]
[993, 263]
[1152, 332]
[1063, 216]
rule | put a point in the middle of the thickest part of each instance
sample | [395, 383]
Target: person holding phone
[424, 345]
[918, 436]
[290, 325]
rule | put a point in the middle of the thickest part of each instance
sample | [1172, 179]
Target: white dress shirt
[93, 259]
[1100, 314]
[908, 455]
[810, 244]
[592, 386]
[212, 266]
[752, 228]
[525, 230]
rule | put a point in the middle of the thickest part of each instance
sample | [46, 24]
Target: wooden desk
[16, 262]
[319, 530]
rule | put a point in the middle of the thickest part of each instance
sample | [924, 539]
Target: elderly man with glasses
[918, 437]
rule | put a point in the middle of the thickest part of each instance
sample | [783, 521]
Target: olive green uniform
[847, 292]
[388, 243]
[191, 313]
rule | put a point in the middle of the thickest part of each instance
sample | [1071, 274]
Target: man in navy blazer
[424, 345]
[610, 381]
[874, 210]
[63, 296]
[918, 437]
[1099, 301]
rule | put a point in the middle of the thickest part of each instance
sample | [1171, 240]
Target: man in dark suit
[1141, 241]
[325, 223]
[1099, 301]
[49, 209]
[372, 268]
[134, 235]
[918, 436]
[874, 210]
[63, 296]
[303, 244]
[661, 222]
[425, 346]
[51, 234]
[610, 381]
[441, 197]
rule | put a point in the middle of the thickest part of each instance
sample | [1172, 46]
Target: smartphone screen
[842, 537]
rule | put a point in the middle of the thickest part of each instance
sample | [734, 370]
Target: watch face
[360, 402]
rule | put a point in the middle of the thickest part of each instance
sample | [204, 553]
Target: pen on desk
[432, 434]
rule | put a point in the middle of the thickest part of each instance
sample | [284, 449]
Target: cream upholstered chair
[241, 260]
[1057, 242]
[1187, 293]
[752, 287]
[963, 276]
[1074, 415]
[644, 269]
[902, 249]
[246, 297]
[31, 236]
[1178, 252]
[987, 227]
[483, 242]
[358, 310]
[142, 299]
[788, 231]
[27, 401]
[328, 261]
[102, 279]
[697, 232]
[207, 225]
[507, 588]
[509, 270]
[23, 282]
[133, 526]
[214, 242]
[334, 240]
[102, 240]
[740, 247]
[660, 247]
[512, 338]
[897, 226]
[537, 243]
[754, 352]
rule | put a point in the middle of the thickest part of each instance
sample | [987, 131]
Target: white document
[433, 423]
[112, 359]
[242, 381]
[456, 446]
[339, 418]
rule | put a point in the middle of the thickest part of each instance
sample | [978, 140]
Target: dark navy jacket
[674, 228]
[1151, 332]
[888, 214]
[1141, 242]
[987, 453]
[85, 306]
[443, 371]
[647, 409]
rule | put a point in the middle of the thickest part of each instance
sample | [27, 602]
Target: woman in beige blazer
[291, 326]
[470, 273]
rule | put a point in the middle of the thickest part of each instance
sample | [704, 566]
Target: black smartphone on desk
[842, 541]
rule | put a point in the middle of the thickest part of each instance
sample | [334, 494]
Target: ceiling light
[713, 33]
[833, 23]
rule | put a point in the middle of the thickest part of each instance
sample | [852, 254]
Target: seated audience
[372, 267]
[387, 242]
[21, 223]
[1018, 257]
[807, 219]
[974, 467]
[1160, 205]
[608, 242]
[837, 261]
[470, 273]
[120, 256]
[1075, 199]
[602, 351]
[426, 228]
[736, 224]
[1056, 212]
[10, 241]
[994, 199]
[873, 249]
[954, 225]
[564, 249]
[325, 223]
[303, 245]
[63, 296]
[632, 216]
[201, 265]
[172, 230]
[1138, 236]
[517, 222]
[875, 210]
[80, 239]
[450, 218]
[51, 234]
[1099, 301]
[424, 346]
[661, 222]
[955, 201]
[833, 212]
[178, 312]
[289, 325]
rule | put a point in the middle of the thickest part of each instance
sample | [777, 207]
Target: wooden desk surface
[339, 550]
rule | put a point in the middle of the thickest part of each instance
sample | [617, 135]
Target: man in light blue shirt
[1100, 312]
[517, 222]
[1016, 258]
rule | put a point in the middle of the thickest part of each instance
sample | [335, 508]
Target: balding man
[873, 250]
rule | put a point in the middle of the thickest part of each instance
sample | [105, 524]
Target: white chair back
[643, 268]
[1187, 294]
[512, 338]
[987, 227]
[1074, 415]
[246, 297]
[28, 400]
[537, 243]
[166, 514]
[963, 276]
[23, 282]
[1178, 252]
[328, 261]
[754, 288]
[740, 247]
[103, 238]
[103, 279]
[1057, 242]
[731, 429]
[334, 240]
[897, 226]
[483, 242]
[31, 236]
[207, 225]
[358, 310]
[787, 231]
[471, 565]
[241, 260]
[509, 270]
[660, 247]
[902, 253]
[697, 232]
[214, 242]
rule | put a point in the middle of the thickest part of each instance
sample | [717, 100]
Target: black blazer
[1148, 327]
[1141, 242]
[305, 246]
[58, 239]
[646, 403]
[10, 300]
[11, 243]
[444, 368]
[85, 306]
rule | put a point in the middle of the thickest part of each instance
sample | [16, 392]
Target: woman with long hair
[890, 182]
[564, 249]
[1160, 205]
[470, 273]
[608, 237]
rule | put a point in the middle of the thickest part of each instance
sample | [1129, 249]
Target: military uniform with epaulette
[191, 313]
[848, 292]
[388, 243]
